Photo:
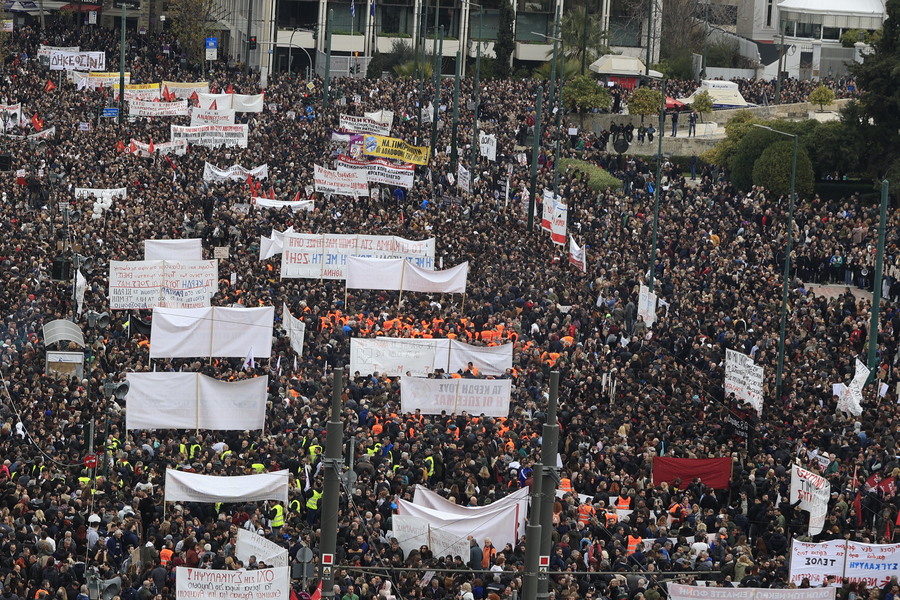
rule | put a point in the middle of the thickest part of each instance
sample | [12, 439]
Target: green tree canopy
[506, 42]
[583, 94]
[772, 170]
[822, 96]
[583, 35]
[703, 103]
[645, 101]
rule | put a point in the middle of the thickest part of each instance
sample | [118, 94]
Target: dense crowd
[628, 392]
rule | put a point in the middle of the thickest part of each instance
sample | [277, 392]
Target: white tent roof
[857, 7]
[723, 93]
[621, 66]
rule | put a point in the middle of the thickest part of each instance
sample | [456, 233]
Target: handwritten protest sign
[213, 584]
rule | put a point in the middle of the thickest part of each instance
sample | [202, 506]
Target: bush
[772, 169]
[823, 96]
[598, 178]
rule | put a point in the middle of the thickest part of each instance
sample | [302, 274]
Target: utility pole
[438, 59]
[121, 65]
[584, 35]
[533, 537]
[454, 150]
[550, 479]
[535, 151]
[328, 58]
[249, 23]
[649, 42]
[876, 292]
[334, 444]
[656, 186]
[780, 66]
[476, 144]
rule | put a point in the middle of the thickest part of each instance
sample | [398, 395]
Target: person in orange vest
[585, 513]
[488, 553]
[565, 485]
[624, 502]
[632, 544]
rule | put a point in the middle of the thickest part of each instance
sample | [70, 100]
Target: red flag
[151, 149]
[214, 105]
[50, 86]
[294, 595]
[229, 89]
[195, 99]
[297, 197]
[317, 595]
[120, 146]
[250, 180]
[171, 163]
[133, 147]
[258, 187]
[714, 472]
[212, 89]
[271, 193]
[166, 93]
[857, 507]
[897, 522]
[37, 122]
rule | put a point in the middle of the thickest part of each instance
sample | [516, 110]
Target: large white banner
[851, 396]
[295, 329]
[364, 125]
[488, 397]
[49, 50]
[463, 179]
[165, 400]
[577, 255]
[259, 202]
[101, 194]
[381, 116]
[744, 379]
[251, 544]
[343, 183]
[244, 103]
[214, 101]
[212, 136]
[399, 275]
[647, 305]
[211, 584]
[148, 108]
[208, 332]
[200, 116]
[185, 89]
[178, 148]
[379, 170]
[421, 356]
[182, 486]
[848, 562]
[10, 115]
[324, 256]
[61, 60]
[487, 146]
[813, 491]
[189, 249]
[139, 91]
[160, 283]
[558, 224]
[678, 591]
[234, 172]
[502, 525]
[414, 532]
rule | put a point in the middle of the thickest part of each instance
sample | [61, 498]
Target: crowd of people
[629, 391]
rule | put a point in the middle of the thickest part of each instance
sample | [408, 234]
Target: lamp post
[552, 103]
[659, 159]
[454, 132]
[536, 148]
[475, 143]
[438, 61]
[876, 291]
[328, 58]
[779, 373]
[291, 52]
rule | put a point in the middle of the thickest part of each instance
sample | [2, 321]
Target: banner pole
[345, 293]
[844, 570]
[402, 274]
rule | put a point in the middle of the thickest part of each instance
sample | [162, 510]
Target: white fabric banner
[422, 496]
[212, 136]
[414, 532]
[101, 194]
[234, 172]
[421, 356]
[559, 223]
[678, 591]
[208, 332]
[200, 116]
[463, 179]
[49, 50]
[744, 379]
[379, 170]
[489, 397]
[647, 305]
[502, 526]
[398, 275]
[178, 148]
[259, 202]
[547, 205]
[80, 289]
[251, 544]
[177, 250]
[61, 60]
[211, 584]
[185, 89]
[817, 561]
[487, 146]
[353, 124]
[160, 283]
[10, 115]
[214, 101]
[269, 247]
[324, 256]
[295, 328]
[193, 487]
[813, 491]
[848, 562]
[851, 397]
[243, 103]
[381, 116]
[164, 400]
[448, 281]
[577, 255]
[148, 108]
[138, 91]
[343, 183]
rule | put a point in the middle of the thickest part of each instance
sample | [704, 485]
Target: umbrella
[673, 103]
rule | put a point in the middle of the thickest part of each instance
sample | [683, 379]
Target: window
[809, 30]
[769, 9]
[831, 33]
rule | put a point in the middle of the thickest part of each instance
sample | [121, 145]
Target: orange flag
[50, 86]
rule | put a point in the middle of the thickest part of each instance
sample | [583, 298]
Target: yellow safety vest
[313, 452]
[258, 467]
[429, 460]
[278, 519]
[313, 502]
[295, 506]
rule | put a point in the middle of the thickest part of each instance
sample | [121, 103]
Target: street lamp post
[553, 73]
[659, 159]
[779, 373]
[876, 291]
[454, 150]
[475, 143]
[534, 157]
[328, 59]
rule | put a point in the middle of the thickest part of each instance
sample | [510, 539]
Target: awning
[673, 103]
[73, 6]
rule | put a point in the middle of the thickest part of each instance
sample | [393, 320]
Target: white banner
[95, 79]
[160, 283]
[49, 50]
[577, 255]
[211, 332]
[379, 170]
[212, 135]
[185, 90]
[138, 91]
[414, 532]
[744, 379]
[77, 61]
[247, 103]
[678, 591]
[214, 101]
[200, 116]
[420, 357]
[353, 124]
[647, 305]
[234, 172]
[168, 400]
[189, 249]
[559, 223]
[251, 544]
[210, 584]
[488, 397]
[324, 256]
[817, 561]
[463, 179]
[381, 116]
[851, 397]
[177, 148]
[547, 205]
[487, 146]
[101, 194]
[259, 202]
[295, 329]
[148, 108]
[343, 183]
[10, 115]
[397, 274]
[847, 562]
[813, 491]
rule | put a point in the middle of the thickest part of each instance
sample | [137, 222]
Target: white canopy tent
[617, 65]
[725, 94]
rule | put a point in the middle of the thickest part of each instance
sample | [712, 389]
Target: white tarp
[101, 193]
[168, 400]
[162, 283]
[211, 584]
[201, 116]
[647, 305]
[251, 544]
[295, 329]
[421, 356]
[558, 224]
[189, 249]
[294, 205]
[193, 487]
[234, 172]
[502, 525]
[212, 136]
[488, 397]
[851, 396]
[422, 496]
[379, 170]
[678, 591]
[398, 275]
[324, 256]
[848, 562]
[813, 491]
[577, 255]
[364, 125]
[342, 183]
[744, 379]
[414, 532]
[148, 108]
[207, 332]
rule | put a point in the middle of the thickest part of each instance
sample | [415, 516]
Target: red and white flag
[577, 255]
[249, 363]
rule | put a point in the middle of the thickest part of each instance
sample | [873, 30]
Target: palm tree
[574, 30]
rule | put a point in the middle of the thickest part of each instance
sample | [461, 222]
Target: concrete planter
[823, 116]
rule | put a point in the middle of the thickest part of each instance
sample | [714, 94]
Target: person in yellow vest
[276, 519]
[312, 506]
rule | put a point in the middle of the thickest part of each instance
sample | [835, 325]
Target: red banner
[714, 472]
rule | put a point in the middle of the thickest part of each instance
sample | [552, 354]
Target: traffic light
[253, 42]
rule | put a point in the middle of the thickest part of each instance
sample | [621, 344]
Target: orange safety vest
[565, 484]
[585, 512]
[611, 519]
[633, 544]
[623, 503]
[165, 555]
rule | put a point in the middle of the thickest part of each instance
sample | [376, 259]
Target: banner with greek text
[343, 183]
[744, 379]
[212, 136]
[559, 224]
[61, 60]
[577, 255]
[678, 591]
[200, 116]
[647, 305]
[487, 146]
[148, 108]
[101, 194]
[159, 283]
[420, 357]
[379, 170]
[813, 491]
[547, 204]
[46, 51]
[847, 562]
[388, 147]
[234, 172]
[138, 91]
[489, 397]
[259, 202]
[177, 148]
[97, 79]
[324, 256]
[353, 124]
[252, 544]
[184, 90]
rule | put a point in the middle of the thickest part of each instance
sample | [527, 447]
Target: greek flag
[353, 9]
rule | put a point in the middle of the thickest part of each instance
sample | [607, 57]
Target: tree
[569, 69]
[754, 142]
[575, 23]
[191, 24]
[582, 94]
[772, 170]
[376, 66]
[735, 130]
[506, 42]
[703, 103]
[645, 101]
[823, 96]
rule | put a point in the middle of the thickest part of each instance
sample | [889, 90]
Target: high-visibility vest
[585, 512]
[429, 462]
[295, 506]
[623, 503]
[278, 519]
[565, 485]
[258, 467]
[633, 544]
[165, 555]
[195, 450]
[314, 451]
[312, 502]
[611, 519]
